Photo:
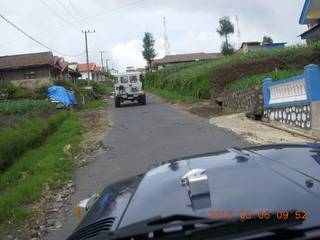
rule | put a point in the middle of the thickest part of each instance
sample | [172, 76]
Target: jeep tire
[117, 102]
[142, 100]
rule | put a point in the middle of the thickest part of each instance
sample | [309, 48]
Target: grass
[23, 106]
[257, 79]
[49, 164]
[28, 134]
[208, 79]
[95, 104]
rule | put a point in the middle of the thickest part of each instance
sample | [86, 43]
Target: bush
[7, 90]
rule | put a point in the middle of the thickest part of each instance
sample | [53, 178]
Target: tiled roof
[97, 69]
[27, 60]
[63, 64]
[83, 67]
[189, 57]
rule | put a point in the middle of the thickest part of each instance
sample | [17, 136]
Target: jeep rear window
[124, 79]
[133, 79]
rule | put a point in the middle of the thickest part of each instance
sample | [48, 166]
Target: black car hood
[270, 178]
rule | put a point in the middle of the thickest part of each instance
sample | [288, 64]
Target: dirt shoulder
[254, 132]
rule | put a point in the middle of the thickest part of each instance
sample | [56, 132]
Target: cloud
[128, 54]
[120, 26]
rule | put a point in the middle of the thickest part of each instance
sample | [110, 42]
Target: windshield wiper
[189, 227]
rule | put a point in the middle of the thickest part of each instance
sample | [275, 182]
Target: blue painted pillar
[266, 92]
[312, 77]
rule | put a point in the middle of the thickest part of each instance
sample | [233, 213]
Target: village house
[31, 70]
[310, 16]
[255, 46]
[94, 71]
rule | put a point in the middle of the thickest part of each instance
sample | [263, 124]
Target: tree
[227, 49]
[226, 28]
[148, 48]
[267, 40]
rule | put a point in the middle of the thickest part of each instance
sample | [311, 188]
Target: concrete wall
[32, 83]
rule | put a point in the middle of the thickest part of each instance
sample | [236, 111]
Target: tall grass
[23, 182]
[208, 79]
[257, 79]
[29, 134]
[192, 80]
[23, 106]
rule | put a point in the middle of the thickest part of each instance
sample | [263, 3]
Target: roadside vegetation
[38, 146]
[23, 106]
[208, 79]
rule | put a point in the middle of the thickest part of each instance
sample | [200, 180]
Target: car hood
[270, 178]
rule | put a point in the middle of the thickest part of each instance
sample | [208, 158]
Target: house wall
[96, 77]
[18, 74]
[32, 83]
[85, 75]
[251, 47]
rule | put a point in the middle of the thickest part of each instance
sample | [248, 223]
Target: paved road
[140, 136]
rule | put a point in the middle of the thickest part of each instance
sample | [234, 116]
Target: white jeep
[129, 86]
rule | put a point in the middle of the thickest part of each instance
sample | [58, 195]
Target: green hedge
[31, 133]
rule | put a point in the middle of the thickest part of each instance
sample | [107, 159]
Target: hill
[208, 79]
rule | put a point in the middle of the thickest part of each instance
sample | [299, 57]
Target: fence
[294, 101]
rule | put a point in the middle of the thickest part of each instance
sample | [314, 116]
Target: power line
[114, 9]
[70, 13]
[56, 13]
[37, 40]
[79, 14]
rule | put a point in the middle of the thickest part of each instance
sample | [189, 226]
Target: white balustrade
[288, 92]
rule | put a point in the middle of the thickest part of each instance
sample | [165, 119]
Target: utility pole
[107, 63]
[101, 52]
[87, 55]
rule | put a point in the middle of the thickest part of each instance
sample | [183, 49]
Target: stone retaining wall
[246, 99]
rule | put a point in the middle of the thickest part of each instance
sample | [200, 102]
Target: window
[30, 75]
[133, 79]
[124, 79]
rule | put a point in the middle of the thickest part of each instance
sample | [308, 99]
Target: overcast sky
[120, 26]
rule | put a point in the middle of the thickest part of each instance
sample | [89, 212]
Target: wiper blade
[189, 227]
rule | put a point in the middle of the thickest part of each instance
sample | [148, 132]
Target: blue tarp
[62, 95]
